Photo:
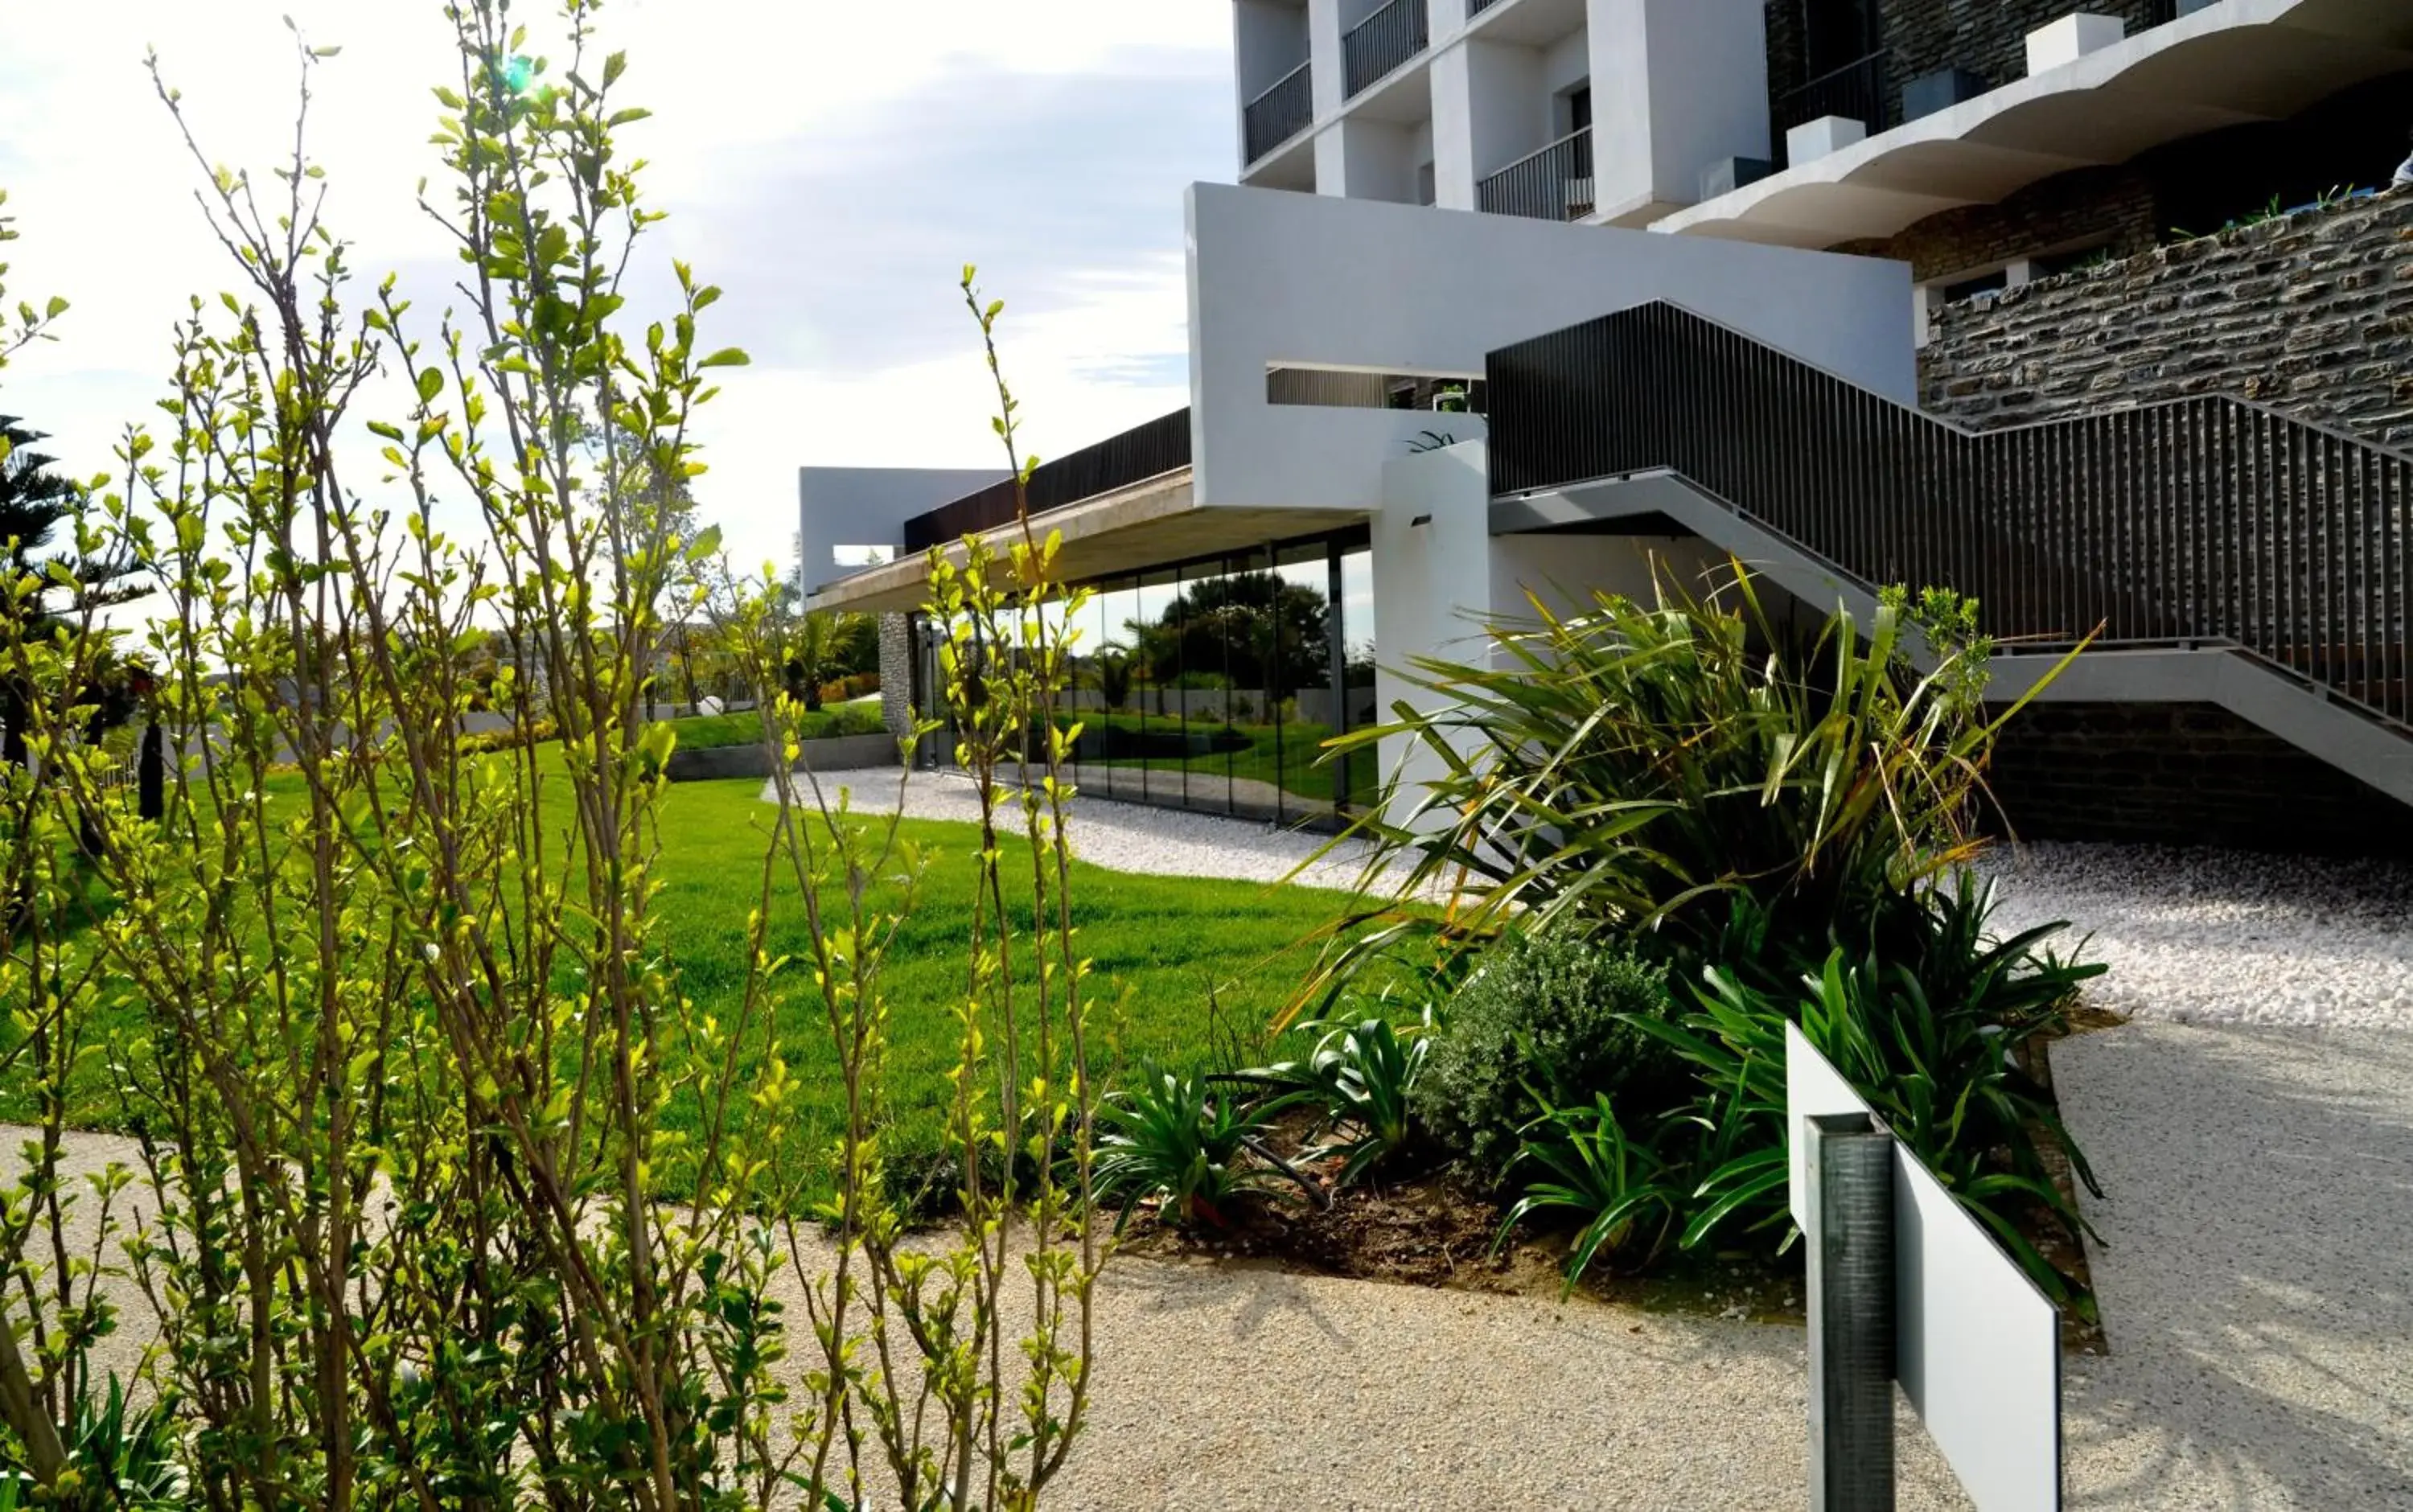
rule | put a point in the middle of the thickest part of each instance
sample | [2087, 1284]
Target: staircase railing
[2202, 519]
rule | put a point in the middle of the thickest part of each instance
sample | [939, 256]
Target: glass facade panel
[1158, 644]
[1306, 708]
[1214, 684]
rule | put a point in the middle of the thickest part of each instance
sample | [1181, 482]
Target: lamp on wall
[1420, 520]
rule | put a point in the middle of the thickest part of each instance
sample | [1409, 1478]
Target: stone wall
[2312, 314]
[1987, 38]
[2183, 774]
[2114, 209]
[896, 680]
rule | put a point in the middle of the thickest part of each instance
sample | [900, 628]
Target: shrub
[1636, 766]
[1173, 1140]
[1361, 1078]
[1932, 1035]
[1581, 1161]
[1545, 1022]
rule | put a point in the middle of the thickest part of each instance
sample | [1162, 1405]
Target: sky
[831, 166]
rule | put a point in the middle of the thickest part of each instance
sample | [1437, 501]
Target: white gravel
[2225, 937]
[2192, 936]
[1126, 836]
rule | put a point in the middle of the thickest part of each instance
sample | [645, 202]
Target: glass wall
[1212, 684]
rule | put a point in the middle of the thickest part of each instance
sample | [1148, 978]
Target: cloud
[830, 166]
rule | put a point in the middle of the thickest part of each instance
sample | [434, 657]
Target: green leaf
[431, 383]
[55, 308]
[726, 357]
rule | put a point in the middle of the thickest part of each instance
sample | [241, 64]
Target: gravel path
[2190, 936]
[1125, 837]
[2257, 1291]
[2224, 936]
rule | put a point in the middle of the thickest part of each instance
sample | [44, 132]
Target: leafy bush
[1545, 1022]
[1362, 1079]
[1630, 769]
[1173, 1140]
[1579, 1160]
[1930, 1035]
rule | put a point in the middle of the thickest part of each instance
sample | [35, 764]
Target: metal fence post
[1849, 1168]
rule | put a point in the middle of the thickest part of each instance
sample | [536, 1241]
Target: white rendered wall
[1508, 112]
[869, 507]
[1676, 84]
[1294, 279]
[1567, 63]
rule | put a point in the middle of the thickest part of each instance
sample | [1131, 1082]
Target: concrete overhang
[2234, 63]
[1149, 524]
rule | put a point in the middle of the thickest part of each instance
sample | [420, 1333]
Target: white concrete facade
[1680, 87]
[1681, 83]
[1322, 283]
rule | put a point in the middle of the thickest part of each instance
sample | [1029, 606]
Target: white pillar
[1676, 84]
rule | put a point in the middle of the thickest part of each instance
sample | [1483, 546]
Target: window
[1578, 109]
[1985, 283]
[1423, 184]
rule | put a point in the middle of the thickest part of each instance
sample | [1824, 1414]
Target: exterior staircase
[2219, 551]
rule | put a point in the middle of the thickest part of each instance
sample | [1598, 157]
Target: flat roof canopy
[1149, 525]
[2233, 64]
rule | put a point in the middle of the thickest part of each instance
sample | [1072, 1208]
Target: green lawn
[1165, 948]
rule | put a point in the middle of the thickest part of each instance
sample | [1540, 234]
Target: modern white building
[1444, 352]
[1825, 123]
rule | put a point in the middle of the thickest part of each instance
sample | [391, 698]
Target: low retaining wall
[836, 753]
[2311, 314]
[2183, 774]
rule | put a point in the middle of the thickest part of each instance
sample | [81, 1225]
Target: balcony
[1477, 8]
[2206, 67]
[1861, 91]
[1381, 42]
[1280, 114]
[1555, 184]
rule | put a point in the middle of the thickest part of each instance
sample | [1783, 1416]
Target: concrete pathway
[2258, 1290]
[2257, 1276]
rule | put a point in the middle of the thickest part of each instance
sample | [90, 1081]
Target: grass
[1182, 963]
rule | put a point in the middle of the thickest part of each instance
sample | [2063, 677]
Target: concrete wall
[1676, 86]
[869, 507]
[1268, 40]
[837, 754]
[2312, 315]
[2183, 774]
[1287, 279]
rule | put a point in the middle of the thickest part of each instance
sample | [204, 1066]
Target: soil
[1430, 1228]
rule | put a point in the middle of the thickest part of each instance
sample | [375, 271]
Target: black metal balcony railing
[1554, 184]
[1280, 112]
[2203, 520]
[1382, 41]
[1477, 8]
[1861, 91]
[1141, 453]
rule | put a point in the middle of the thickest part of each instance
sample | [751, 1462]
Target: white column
[1453, 108]
[1676, 84]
